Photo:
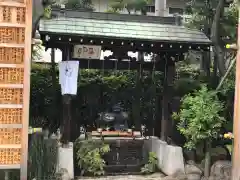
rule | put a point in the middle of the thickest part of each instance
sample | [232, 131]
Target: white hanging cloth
[68, 76]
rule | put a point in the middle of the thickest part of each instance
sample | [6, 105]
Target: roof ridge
[114, 17]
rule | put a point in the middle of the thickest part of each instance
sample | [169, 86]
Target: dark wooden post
[54, 123]
[66, 102]
[66, 118]
[138, 93]
[169, 75]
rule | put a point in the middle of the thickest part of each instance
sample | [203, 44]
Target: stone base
[65, 160]
[170, 158]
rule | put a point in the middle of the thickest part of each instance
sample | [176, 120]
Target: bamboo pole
[236, 120]
[226, 74]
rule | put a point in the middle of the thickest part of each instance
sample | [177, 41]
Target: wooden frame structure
[163, 36]
[15, 61]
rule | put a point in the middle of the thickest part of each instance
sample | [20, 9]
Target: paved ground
[156, 176]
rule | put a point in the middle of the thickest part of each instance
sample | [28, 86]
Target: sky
[46, 55]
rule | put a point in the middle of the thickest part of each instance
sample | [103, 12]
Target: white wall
[104, 5]
[101, 5]
[46, 56]
[175, 4]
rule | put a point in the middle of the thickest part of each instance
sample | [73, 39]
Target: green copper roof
[122, 29]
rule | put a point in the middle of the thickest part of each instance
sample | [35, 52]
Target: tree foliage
[90, 156]
[203, 11]
[80, 4]
[130, 5]
[75, 4]
[218, 21]
[97, 92]
[200, 117]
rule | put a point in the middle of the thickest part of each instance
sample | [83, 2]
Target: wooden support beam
[169, 75]
[26, 89]
[117, 65]
[236, 120]
[113, 65]
[56, 40]
[66, 102]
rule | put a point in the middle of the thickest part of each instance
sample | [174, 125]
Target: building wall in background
[171, 6]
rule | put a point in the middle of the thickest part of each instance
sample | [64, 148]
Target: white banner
[68, 76]
[87, 52]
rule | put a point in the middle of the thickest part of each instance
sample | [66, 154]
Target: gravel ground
[156, 176]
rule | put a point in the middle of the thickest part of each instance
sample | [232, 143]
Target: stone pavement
[156, 176]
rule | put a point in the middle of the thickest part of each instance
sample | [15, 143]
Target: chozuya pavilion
[166, 37]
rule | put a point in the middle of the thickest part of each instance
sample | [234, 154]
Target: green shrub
[89, 156]
[200, 118]
[98, 91]
[151, 166]
[42, 157]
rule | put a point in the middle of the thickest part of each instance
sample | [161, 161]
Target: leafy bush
[43, 155]
[89, 156]
[98, 91]
[200, 117]
[151, 166]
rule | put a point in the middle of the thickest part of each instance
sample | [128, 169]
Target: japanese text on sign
[86, 52]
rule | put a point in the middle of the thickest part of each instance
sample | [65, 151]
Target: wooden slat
[118, 138]
[11, 106]
[11, 66]
[12, 25]
[11, 126]
[10, 3]
[1, 12]
[13, 166]
[12, 45]
[120, 65]
[13, 15]
[11, 85]
[10, 146]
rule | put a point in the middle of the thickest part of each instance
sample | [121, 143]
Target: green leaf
[200, 117]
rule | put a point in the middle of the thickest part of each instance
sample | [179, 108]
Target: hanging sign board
[86, 52]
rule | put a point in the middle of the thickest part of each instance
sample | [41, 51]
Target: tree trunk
[66, 125]
[38, 12]
[215, 36]
[206, 61]
[66, 105]
[215, 72]
[207, 164]
[226, 74]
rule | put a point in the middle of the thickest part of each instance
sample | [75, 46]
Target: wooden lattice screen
[15, 59]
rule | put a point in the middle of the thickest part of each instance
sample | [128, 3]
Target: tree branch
[215, 37]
